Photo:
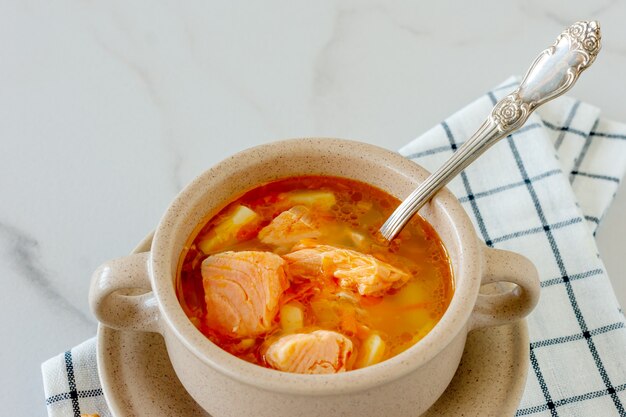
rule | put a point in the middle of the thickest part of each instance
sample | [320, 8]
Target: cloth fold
[541, 192]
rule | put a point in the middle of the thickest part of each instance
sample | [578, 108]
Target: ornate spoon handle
[552, 73]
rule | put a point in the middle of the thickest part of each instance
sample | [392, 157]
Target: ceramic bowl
[224, 385]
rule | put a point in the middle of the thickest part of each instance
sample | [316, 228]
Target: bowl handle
[501, 266]
[120, 295]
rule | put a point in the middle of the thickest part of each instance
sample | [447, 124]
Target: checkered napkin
[541, 192]
[72, 385]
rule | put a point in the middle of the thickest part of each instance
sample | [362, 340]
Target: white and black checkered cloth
[541, 192]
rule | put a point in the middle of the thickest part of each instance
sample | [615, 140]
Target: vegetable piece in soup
[291, 276]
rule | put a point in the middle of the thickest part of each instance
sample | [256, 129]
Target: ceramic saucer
[138, 379]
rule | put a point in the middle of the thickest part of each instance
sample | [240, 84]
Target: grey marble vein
[23, 251]
[151, 89]
[406, 27]
[322, 73]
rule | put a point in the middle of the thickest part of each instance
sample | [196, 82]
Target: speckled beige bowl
[225, 385]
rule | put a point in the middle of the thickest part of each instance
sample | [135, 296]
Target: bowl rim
[453, 322]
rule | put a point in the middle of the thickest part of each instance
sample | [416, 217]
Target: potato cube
[291, 316]
[371, 352]
[316, 199]
[225, 233]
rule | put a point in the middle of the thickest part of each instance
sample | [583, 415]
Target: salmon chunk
[242, 290]
[354, 270]
[289, 227]
[318, 352]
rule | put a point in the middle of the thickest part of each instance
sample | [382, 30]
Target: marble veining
[24, 253]
[152, 90]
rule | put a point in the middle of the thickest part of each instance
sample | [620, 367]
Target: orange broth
[401, 317]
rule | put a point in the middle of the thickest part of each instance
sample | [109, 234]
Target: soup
[291, 276]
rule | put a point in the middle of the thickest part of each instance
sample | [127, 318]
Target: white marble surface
[108, 108]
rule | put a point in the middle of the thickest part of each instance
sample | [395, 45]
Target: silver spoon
[552, 73]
